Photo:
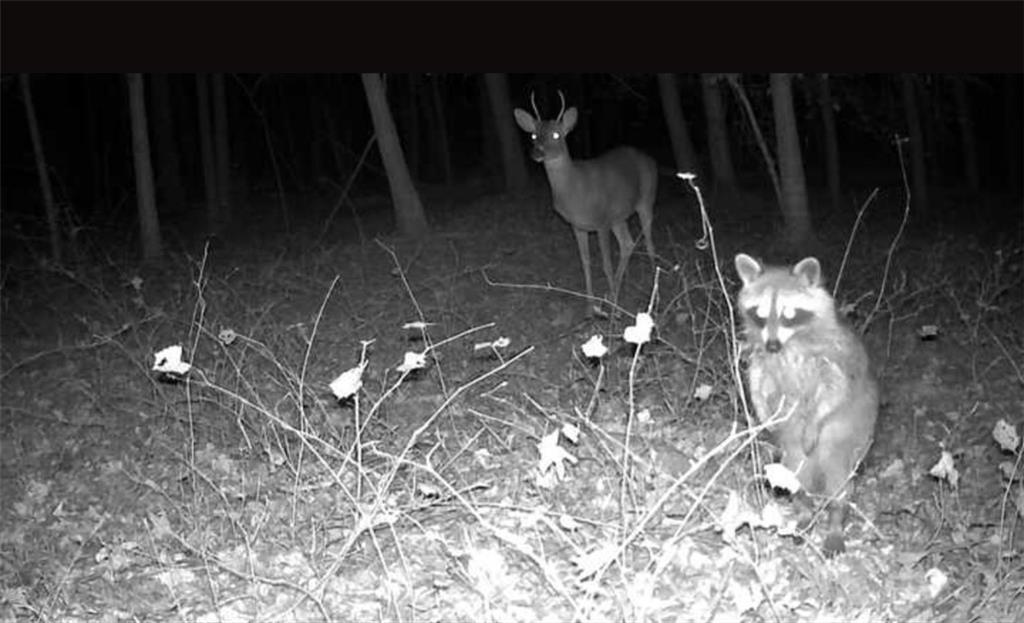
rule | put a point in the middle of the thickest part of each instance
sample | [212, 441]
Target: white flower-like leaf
[946, 470]
[412, 361]
[348, 382]
[418, 325]
[553, 455]
[594, 347]
[1006, 436]
[640, 331]
[781, 477]
[703, 392]
[168, 361]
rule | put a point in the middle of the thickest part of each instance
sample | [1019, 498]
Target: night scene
[512, 347]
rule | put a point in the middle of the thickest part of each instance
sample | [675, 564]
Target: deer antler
[534, 103]
[561, 97]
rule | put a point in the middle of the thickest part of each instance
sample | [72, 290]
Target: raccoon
[809, 371]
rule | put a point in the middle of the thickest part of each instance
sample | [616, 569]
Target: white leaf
[412, 361]
[594, 347]
[780, 477]
[946, 470]
[417, 325]
[591, 563]
[1006, 436]
[553, 455]
[703, 392]
[348, 382]
[169, 361]
[640, 332]
[937, 580]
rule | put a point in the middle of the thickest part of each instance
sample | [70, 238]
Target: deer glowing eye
[533, 137]
[556, 135]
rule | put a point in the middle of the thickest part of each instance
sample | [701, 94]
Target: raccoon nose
[773, 345]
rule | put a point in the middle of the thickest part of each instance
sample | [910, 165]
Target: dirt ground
[510, 478]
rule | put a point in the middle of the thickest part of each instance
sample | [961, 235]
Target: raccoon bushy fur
[809, 371]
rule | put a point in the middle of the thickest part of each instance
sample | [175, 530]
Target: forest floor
[510, 478]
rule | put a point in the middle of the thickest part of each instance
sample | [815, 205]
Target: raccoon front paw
[834, 544]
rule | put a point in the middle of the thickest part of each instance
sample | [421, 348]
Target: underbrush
[342, 439]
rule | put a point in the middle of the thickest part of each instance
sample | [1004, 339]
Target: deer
[595, 195]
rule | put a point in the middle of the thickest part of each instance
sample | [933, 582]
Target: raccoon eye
[758, 320]
[796, 317]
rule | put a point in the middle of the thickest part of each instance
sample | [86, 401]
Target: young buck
[594, 195]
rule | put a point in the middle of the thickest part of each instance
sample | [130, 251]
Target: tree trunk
[441, 133]
[412, 125]
[718, 135]
[317, 132]
[682, 146]
[918, 172]
[490, 149]
[968, 146]
[214, 218]
[149, 221]
[49, 205]
[408, 209]
[1012, 94]
[222, 147]
[828, 121]
[168, 180]
[791, 167]
[513, 165]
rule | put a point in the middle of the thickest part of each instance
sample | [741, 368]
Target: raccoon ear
[809, 271]
[748, 268]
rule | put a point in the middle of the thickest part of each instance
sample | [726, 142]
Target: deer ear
[525, 120]
[569, 120]
[747, 268]
[809, 271]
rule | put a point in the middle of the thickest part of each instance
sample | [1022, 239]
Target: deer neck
[562, 174]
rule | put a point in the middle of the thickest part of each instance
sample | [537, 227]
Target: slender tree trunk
[213, 213]
[682, 146]
[968, 146]
[49, 205]
[149, 221]
[408, 209]
[828, 121]
[441, 134]
[1012, 95]
[93, 132]
[490, 148]
[412, 124]
[513, 165]
[171, 190]
[585, 127]
[222, 147]
[791, 167]
[718, 135]
[317, 132]
[918, 172]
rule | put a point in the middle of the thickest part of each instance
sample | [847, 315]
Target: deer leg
[583, 243]
[626, 244]
[646, 213]
[606, 262]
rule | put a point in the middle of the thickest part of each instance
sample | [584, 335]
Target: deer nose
[773, 345]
